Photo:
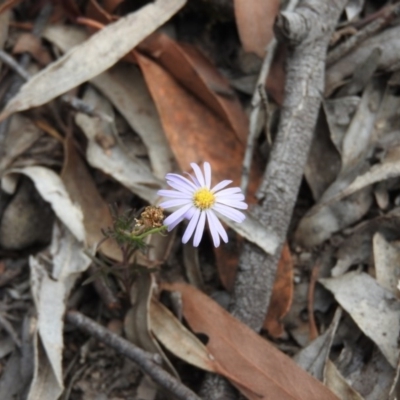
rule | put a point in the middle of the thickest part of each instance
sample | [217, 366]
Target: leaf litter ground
[100, 100]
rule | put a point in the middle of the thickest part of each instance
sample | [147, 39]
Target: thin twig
[85, 108]
[373, 27]
[147, 361]
[13, 64]
[310, 301]
[256, 104]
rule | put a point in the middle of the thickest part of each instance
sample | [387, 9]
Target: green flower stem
[159, 229]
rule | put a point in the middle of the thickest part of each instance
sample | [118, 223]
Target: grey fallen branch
[148, 362]
[307, 33]
[74, 102]
[385, 18]
[279, 188]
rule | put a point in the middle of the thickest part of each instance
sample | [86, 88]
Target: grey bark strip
[307, 32]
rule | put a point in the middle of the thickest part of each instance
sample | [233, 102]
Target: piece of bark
[307, 33]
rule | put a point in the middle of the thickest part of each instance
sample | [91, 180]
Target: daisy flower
[198, 202]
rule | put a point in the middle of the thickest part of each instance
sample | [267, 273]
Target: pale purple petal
[175, 203]
[174, 194]
[220, 185]
[189, 213]
[229, 191]
[232, 203]
[175, 223]
[194, 179]
[181, 188]
[181, 180]
[213, 228]
[198, 173]
[200, 229]
[207, 174]
[178, 214]
[218, 225]
[192, 225]
[229, 212]
[237, 196]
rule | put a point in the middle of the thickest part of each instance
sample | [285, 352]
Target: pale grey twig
[147, 361]
[13, 64]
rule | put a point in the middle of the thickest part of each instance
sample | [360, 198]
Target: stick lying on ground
[148, 362]
[307, 33]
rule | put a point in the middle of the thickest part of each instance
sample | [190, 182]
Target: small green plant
[129, 231]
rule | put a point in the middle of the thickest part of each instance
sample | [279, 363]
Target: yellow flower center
[203, 198]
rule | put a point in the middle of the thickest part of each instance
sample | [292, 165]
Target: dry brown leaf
[94, 56]
[255, 21]
[245, 355]
[282, 295]
[27, 42]
[83, 191]
[200, 77]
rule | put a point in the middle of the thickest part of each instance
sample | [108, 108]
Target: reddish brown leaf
[194, 132]
[245, 355]
[200, 77]
[227, 259]
[255, 20]
[282, 295]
